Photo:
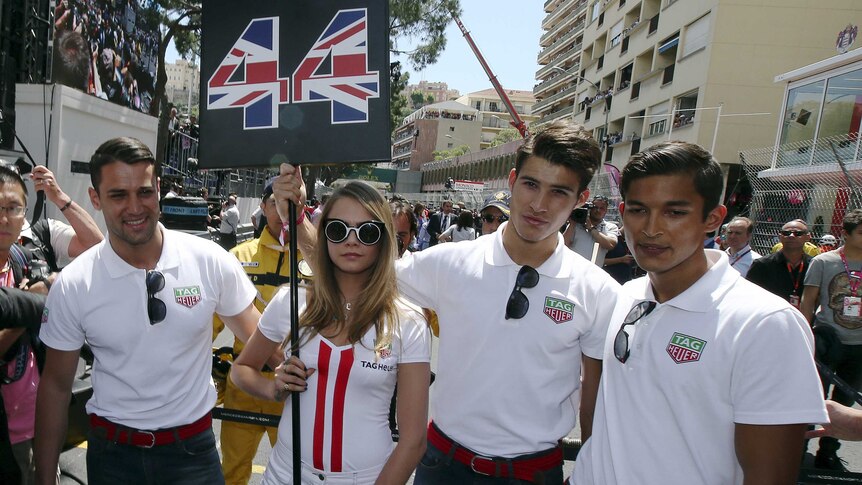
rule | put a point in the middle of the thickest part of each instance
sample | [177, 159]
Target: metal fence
[817, 181]
[181, 159]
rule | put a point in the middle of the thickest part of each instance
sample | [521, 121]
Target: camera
[39, 271]
[580, 214]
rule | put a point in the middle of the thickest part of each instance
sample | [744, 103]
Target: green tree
[417, 98]
[505, 136]
[451, 153]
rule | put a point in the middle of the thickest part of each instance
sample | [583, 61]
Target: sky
[507, 33]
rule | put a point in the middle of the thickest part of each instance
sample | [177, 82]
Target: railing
[816, 152]
[577, 11]
[552, 63]
[557, 114]
[558, 43]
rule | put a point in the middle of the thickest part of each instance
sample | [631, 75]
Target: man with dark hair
[739, 252]
[440, 221]
[405, 224]
[832, 284]
[707, 377]
[783, 273]
[71, 65]
[540, 321]
[143, 300]
[591, 234]
[266, 262]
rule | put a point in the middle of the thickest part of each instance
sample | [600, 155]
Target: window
[802, 103]
[696, 35]
[616, 33]
[657, 127]
[451, 128]
[843, 105]
[597, 7]
[448, 145]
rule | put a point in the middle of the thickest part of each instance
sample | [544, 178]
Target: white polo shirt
[724, 351]
[147, 376]
[503, 386]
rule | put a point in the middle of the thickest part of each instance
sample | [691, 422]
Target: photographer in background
[19, 347]
[588, 228]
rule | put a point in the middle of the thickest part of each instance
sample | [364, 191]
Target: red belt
[522, 468]
[147, 439]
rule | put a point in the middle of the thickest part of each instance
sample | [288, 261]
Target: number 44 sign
[254, 114]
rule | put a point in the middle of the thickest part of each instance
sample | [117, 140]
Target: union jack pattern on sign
[336, 69]
[248, 77]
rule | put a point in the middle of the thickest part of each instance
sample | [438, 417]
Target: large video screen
[108, 48]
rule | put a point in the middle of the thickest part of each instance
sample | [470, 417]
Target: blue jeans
[435, 468]
[188, 462]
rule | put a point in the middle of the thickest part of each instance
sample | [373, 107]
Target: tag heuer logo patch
[188, 296]
[559, 310]
[684, 348]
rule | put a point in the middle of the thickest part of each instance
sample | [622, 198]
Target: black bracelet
[63, 209]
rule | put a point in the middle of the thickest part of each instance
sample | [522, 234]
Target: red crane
[517, 122]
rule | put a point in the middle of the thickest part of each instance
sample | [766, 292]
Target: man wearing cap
[582, 236]
[495, 211]
[266, 262]
[783, 272]
[828, 242]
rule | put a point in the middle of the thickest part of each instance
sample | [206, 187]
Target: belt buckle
[152, 435]
[473, 464]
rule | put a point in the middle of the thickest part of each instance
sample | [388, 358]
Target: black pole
[294, 342]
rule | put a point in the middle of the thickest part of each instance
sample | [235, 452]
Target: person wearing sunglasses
[358, 339]
[783, 273]
[495, 211]
[143, 300]
[707, 377]
[833, 298]
[510, 359]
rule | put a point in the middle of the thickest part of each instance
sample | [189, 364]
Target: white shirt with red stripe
[344, 412]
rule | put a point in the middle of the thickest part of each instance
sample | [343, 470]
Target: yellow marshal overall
[267, 264]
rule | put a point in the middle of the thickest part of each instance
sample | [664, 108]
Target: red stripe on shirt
[320, 412]
[341, 379]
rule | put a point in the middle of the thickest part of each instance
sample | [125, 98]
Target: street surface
[73, 462]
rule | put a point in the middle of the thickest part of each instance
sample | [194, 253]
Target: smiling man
[707, 377]
[510, 359]
[143, 300]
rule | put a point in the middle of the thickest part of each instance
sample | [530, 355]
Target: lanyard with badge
[797, 279]
[738, 256]
[852, 303]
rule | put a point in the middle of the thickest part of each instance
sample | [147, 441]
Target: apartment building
[438, 126]
[438, 90]
[493, 113]
[700, 71]
[182, 76]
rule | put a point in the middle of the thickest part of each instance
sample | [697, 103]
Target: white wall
[77, 124]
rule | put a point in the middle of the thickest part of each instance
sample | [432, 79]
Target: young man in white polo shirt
[707, 377]
[510, 355]
[144, 301]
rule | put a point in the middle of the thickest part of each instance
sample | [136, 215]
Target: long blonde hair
[375, 304]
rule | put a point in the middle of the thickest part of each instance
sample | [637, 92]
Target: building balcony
[550, 83]
[558, 60]
[546, 53]
[556, 115]
[809, 160]
[547, 102]
[563, 8]
[575, 14]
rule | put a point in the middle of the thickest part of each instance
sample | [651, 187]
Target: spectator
[619, 262]
[405, 225]
[265, 261]
[421, 217]
[315, 216]
[356, 336]
[54, 241]
[439, 222]
[229, 222]
[832, 284]
[258, 220]
[495, 211]
[592, 236]
[19, 346]
[844, 423]
[143, 300]
[497, 432]
[462, 230]
[828, 242]
[705, 374]
[739, 252]
[783, 273]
